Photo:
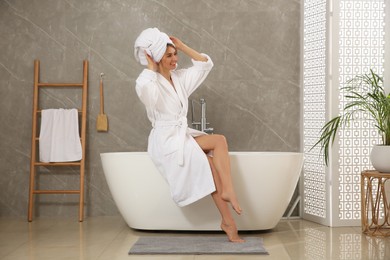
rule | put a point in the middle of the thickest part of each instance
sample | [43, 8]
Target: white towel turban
[153, 42]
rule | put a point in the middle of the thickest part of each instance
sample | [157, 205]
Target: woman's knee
[221, 140]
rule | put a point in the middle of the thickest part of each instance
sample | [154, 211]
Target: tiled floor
[110, 238]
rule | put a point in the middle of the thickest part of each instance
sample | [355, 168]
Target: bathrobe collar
[167, 85]
[175, 92]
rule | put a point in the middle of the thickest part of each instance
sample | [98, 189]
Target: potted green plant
[367, 95]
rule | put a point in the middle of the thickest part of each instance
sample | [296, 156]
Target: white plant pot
[380, 158]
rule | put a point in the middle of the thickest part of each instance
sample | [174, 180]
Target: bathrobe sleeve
[192, 77]
[147, 88]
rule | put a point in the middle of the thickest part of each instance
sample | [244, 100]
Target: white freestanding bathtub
[264, 183]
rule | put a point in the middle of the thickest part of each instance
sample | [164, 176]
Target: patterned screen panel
[314, 108]
[361, 48]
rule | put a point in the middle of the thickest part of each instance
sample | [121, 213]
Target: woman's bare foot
[233, 200]
[232, 233]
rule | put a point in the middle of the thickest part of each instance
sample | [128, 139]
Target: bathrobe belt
[182, 124]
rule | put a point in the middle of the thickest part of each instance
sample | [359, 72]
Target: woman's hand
[152, 65]
[178, 43]
[193, 54]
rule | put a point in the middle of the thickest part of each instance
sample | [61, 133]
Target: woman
[180, 152]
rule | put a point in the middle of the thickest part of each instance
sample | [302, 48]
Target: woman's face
[169, 60]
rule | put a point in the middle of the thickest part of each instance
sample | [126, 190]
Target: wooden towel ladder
[34, 163]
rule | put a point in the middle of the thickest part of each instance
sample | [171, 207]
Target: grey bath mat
[196, 245]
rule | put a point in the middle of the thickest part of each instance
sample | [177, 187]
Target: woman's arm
[193, 54]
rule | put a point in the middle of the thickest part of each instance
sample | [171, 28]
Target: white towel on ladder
[59, 139]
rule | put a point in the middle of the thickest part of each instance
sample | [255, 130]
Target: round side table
[374, 204]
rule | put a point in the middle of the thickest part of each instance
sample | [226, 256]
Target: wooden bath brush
[102, 121]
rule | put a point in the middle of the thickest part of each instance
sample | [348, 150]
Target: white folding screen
[314, 106]
[341, 39]
[361, 48]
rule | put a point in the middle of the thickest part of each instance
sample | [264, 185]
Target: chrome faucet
[203, 122]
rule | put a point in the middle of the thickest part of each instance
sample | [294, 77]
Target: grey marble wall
[252, 94]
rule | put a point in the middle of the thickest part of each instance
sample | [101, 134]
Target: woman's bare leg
[221, 161]
[228, 224]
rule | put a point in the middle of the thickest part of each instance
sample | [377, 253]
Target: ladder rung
[58, 164]
[37, 139]
[56, 192]
[60, 84]
[78, 110]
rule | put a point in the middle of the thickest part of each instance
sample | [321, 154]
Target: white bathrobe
[171, 145]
